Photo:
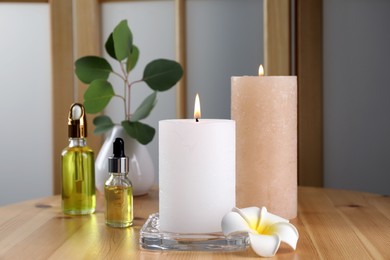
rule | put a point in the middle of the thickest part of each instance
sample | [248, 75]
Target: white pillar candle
[265, 110]
[196, 174]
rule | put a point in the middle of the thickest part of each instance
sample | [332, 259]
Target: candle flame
[197, 107]
[261, 70]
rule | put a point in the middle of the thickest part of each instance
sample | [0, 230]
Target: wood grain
[181, 57]
[333, 224]
[277, 43]
[310, 99]
[62, 79]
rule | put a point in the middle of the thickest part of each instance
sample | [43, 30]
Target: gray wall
[25, 103]
[357, 94]
[225, 38]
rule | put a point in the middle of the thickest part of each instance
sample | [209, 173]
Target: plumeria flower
[265, 229]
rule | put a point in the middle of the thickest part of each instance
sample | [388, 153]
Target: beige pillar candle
[265, 111]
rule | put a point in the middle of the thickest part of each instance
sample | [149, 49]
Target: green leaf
[162, 74]
[89, 68]
[102, 124]
[141, 132]
[110, 46]
[97, 96]
[123, 40]
[132, 59]
[145, 108]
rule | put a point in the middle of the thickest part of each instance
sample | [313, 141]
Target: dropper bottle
[77, 167]
[118, 189]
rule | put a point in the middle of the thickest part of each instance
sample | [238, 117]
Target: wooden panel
[181, 87]
[277, 54]
[115, 1]
[87, 42]
[63, 91]
[309, 72]
[25, 1]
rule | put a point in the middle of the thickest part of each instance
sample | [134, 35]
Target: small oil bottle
[77, 167]
[118, 189]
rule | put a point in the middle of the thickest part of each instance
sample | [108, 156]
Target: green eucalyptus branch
[119, 75]
[159, 75]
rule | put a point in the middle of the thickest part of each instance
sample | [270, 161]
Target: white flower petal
[268, 219]
[232, 222]
[272, 218]
[266, 230]
[251, 215]
[264, 245]
[287, 233]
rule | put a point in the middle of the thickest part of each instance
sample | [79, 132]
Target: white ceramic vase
[141, 170]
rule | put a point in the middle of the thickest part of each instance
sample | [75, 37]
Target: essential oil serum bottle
[77, 167]
[118, 189]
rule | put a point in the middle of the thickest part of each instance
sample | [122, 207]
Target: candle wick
[197, 119]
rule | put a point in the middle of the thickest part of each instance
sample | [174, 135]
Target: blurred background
[224, 38]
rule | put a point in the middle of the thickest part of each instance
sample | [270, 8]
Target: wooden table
[333, 224]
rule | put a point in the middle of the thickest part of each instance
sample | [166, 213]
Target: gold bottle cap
[77, 121]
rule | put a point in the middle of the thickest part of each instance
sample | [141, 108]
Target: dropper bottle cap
[119, 162]
[77, 121]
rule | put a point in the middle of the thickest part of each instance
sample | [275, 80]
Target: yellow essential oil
[77, 167]
[78, 180]
[118, 189]
[119, 201]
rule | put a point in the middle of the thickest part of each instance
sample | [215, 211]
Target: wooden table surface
[333, 224]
